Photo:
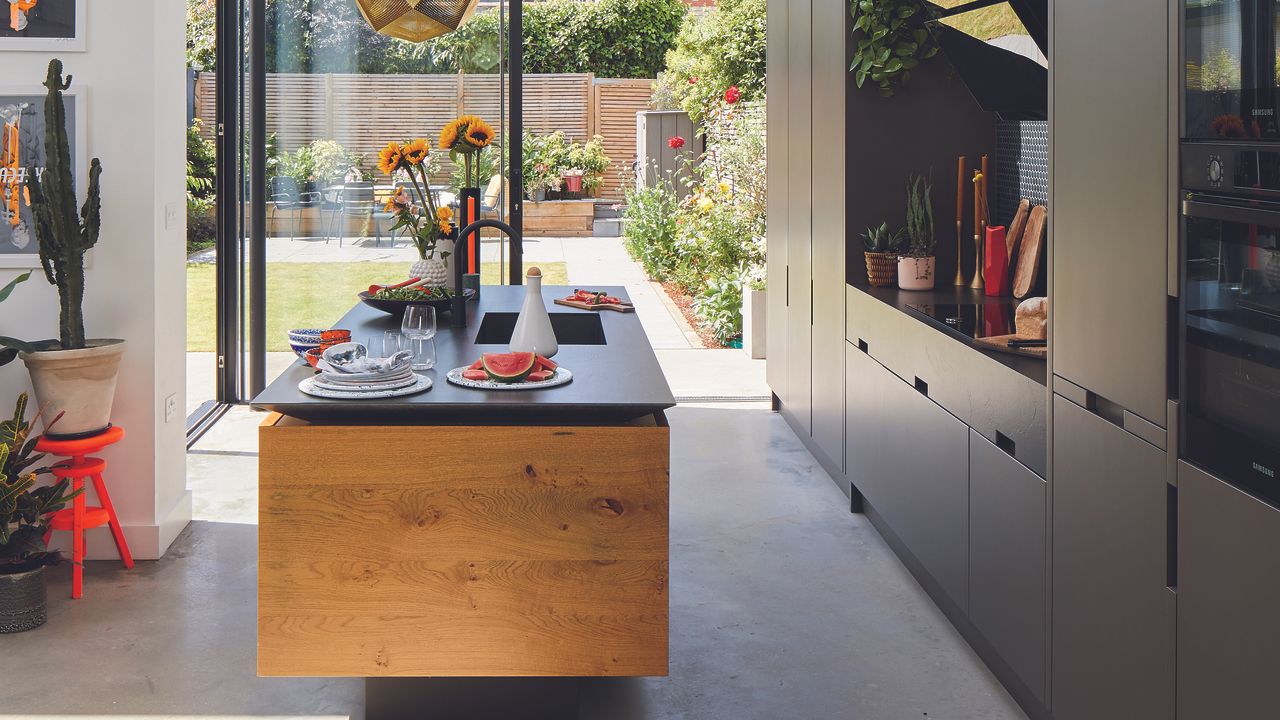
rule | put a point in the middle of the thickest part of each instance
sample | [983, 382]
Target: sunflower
[444, 213]
[415, 152]
[445, 226]
[449, 135]
[390, 158]
[479, 134]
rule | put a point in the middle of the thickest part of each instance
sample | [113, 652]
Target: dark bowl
[397, 307]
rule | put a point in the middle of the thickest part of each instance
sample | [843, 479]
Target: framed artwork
[22, 148]
[42, 25]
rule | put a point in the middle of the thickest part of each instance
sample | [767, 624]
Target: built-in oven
[1231, 75]
[1229, 339]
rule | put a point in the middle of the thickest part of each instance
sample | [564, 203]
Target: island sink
[579, 328]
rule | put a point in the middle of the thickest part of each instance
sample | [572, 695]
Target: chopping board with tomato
[592, 300]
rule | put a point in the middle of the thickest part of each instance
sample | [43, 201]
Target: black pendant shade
[1003, 82]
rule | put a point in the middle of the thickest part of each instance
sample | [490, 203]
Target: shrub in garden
[650, 231]
[201, 170]
[719, 49]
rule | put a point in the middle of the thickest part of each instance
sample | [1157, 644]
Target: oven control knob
[1215, 171]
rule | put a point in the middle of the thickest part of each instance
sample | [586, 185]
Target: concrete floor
[783, 605]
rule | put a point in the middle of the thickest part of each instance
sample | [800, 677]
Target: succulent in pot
[74, 377]
[916, 262]
[25, 512]
[882, 260]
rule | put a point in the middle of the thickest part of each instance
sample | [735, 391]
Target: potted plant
[916, 263]
[25, 512]
[74, 377]
[882, 262]
[754, 305]
[573, 179]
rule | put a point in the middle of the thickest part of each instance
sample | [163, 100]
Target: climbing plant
[894, 40]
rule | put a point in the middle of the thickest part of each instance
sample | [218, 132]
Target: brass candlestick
[977, 283]
[961, 171]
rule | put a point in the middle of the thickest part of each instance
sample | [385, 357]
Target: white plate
[309, 387]
[394, 384]
[561, 377]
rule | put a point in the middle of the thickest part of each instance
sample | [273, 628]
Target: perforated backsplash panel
[1022, 167]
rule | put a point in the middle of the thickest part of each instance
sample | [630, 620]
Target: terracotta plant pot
[79, 384]
[22, 601]
[573, 183]
[882, 269]
[916, 273]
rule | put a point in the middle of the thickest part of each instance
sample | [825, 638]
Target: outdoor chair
[358, 201]
[285, 197]
[493, 194]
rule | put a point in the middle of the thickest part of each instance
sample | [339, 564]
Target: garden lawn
[303, 295]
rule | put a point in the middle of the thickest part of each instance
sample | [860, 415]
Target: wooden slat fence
[365, 112]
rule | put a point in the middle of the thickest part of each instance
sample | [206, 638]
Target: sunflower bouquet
[425, 222]
[467, 136]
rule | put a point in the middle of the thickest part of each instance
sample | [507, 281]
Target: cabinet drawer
[1228, 593]
[1113, 614]
[1007, 560]
[910, 458]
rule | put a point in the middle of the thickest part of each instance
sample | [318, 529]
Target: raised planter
[559, 218]
[754, 304]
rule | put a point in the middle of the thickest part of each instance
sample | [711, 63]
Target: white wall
[133, 75]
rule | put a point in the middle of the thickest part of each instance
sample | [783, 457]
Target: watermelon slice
[545, 363]
[508, 367]
[475, 374]
[477, 365]
[540, 375]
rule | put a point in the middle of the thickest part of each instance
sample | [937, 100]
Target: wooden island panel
[463, 551]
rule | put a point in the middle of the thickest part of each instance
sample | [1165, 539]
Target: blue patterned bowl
[302, 340]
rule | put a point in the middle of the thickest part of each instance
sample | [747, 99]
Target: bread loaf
[1032, 318]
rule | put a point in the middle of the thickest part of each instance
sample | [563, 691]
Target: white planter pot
[916, 273]
[754, 305]
[79, 384]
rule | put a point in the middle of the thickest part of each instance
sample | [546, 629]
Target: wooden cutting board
[1016, 228]
[602, 306]
[1024, 275]
[1001, 343]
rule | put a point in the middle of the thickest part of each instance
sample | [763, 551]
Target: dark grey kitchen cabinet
[1110, 206]
[1007, 560]
[1112, 609]
[910, 459]
[799, 281]
[1228, 600]
[828, 246]
[867, 434]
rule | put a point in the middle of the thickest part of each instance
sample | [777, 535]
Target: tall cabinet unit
[1112, 604]
[829, 72]
[777, 98]
[798, 402]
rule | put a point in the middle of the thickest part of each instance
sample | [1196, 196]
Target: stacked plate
[348, 373]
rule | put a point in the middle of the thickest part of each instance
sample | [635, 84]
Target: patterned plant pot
[22, 601]
[916, 273]
[882, 269]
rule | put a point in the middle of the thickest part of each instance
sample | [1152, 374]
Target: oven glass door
[1230, 338]
[1230, 69]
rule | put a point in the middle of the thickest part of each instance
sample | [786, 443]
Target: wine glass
[419, 327]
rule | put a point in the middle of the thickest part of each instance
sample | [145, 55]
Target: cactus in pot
[72, 376]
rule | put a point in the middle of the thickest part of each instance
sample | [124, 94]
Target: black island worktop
[616, 375]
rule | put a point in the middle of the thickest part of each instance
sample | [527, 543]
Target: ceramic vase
[79, 385]
[996, 262]
[916, 273]
[533, 331]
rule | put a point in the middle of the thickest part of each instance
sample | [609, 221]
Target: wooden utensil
[1001, 343]
[1016, 228]
[1024, 277]
[616, 307]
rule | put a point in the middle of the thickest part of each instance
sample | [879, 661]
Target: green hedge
[723, 47]
[611, 38]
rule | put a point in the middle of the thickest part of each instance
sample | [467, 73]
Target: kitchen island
[470, 533]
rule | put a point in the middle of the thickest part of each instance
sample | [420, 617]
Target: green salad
[419, 294]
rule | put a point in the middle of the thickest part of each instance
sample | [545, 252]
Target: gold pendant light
[416, 20]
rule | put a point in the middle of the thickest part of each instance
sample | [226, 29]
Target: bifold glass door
[323, 96]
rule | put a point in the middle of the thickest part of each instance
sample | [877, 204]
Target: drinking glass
[419, 322]
[419, 328]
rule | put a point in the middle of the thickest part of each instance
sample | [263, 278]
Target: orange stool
[79, 517]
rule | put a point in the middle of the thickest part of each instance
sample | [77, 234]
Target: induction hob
[970, 320]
